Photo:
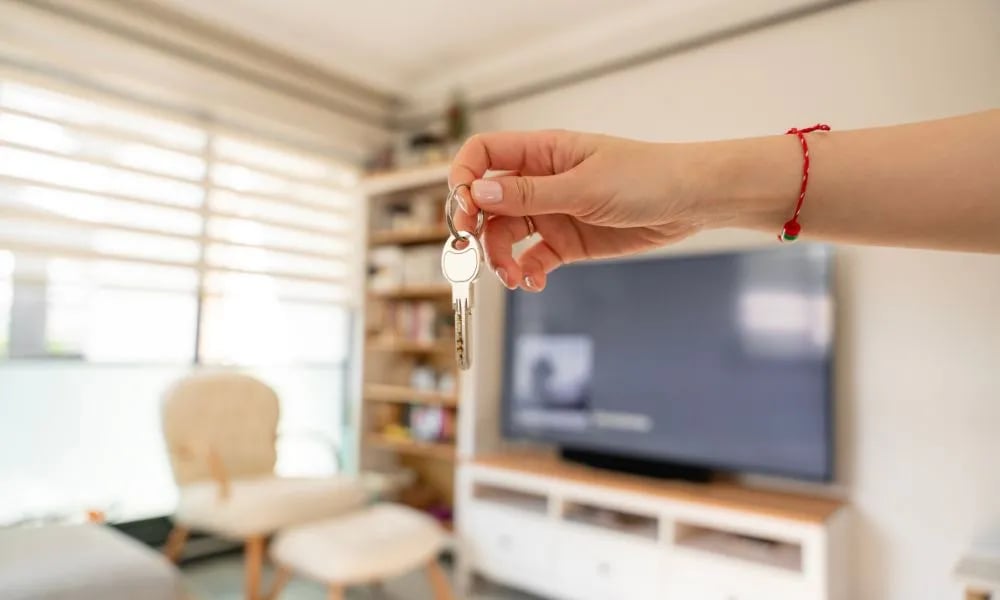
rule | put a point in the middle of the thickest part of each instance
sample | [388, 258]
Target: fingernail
[502, 276]
[462, 202]
[529, 282]
[487, 191]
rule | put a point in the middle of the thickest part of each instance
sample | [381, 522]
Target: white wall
[919, 349]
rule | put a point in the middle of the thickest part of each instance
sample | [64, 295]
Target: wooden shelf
[416, 292]
[422, 235]
[409, 347]
[437, 450]
[405, 179]
[405, 395]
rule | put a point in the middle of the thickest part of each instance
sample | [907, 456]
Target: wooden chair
[220, 431]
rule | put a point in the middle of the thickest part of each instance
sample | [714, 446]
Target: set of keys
[461, 260]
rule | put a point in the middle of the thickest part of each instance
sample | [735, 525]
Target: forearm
[932, 185]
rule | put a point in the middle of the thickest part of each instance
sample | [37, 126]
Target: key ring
[449, 209]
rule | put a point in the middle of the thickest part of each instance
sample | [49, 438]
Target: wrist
[749, 183]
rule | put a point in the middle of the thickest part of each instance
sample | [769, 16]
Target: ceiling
[392, 44]
[421, 50]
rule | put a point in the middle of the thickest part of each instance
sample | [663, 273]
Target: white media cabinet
[570, 532]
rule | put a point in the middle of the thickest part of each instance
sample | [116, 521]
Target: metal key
[460, 266]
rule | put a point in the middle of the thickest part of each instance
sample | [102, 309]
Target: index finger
[530, 152]
[526, 152]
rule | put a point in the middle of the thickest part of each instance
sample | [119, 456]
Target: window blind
[128, 235]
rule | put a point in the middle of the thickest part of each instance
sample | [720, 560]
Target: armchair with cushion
[220, 431]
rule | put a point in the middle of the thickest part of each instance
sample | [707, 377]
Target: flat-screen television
[721, 361]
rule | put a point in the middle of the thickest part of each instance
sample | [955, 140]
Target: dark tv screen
[720, 360]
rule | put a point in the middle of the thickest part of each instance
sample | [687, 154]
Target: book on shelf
[415, 322]
[393, 267]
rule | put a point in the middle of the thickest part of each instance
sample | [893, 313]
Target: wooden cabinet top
[785, 505]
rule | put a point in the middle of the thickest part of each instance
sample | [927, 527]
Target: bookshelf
[416, 292]
[409, 396]
[375, 392]
[413, 235]
[407, 346]
[434, 450]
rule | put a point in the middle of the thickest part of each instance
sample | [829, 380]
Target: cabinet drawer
[595, 565]
[506, 545]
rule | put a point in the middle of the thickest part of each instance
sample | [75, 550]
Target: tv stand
[567, 531]
[637, 466]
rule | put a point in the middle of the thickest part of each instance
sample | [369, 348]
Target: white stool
[361, 547]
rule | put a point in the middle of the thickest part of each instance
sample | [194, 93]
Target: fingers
[498, 241]
[544, 161]
[535, 264]
[465, 218]
[528, 152]
[529, 271]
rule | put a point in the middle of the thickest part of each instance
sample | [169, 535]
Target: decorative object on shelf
[384, 159]
[424, 147]
[446, 383]
[457, 117]
[427, 423]
[395, 431]
[423, 378]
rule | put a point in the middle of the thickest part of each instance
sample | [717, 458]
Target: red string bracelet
[790, 232]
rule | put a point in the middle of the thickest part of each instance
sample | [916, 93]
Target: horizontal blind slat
[108, 164]
[49, 250]
[75, 189]
[186, 291]
[285, 198]
[111, 133]
[47, 217]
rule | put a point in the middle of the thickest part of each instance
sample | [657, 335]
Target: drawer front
[507, 546]
[595, 565]
[707, 578]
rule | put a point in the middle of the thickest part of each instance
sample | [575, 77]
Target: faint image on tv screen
[553, 372]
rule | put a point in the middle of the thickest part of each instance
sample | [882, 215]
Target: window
[119, 231]
[133, 246]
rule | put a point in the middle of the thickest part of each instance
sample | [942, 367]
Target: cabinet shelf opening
[762, 550]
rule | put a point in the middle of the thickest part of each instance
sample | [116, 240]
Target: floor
[222, 579]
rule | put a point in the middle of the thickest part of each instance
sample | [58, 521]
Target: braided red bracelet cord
[790, 232]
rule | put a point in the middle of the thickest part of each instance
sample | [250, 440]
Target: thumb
[517, 195]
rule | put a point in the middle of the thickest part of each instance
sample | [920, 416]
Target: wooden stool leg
[439, 581]
[175, 543]
[281, 577]
[336, 592]
[254, 558]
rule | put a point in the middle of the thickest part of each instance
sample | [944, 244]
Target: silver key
[461, 268]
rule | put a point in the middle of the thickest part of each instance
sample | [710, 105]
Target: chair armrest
[215, 465]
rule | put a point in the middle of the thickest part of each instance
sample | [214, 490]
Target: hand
[588, 196]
